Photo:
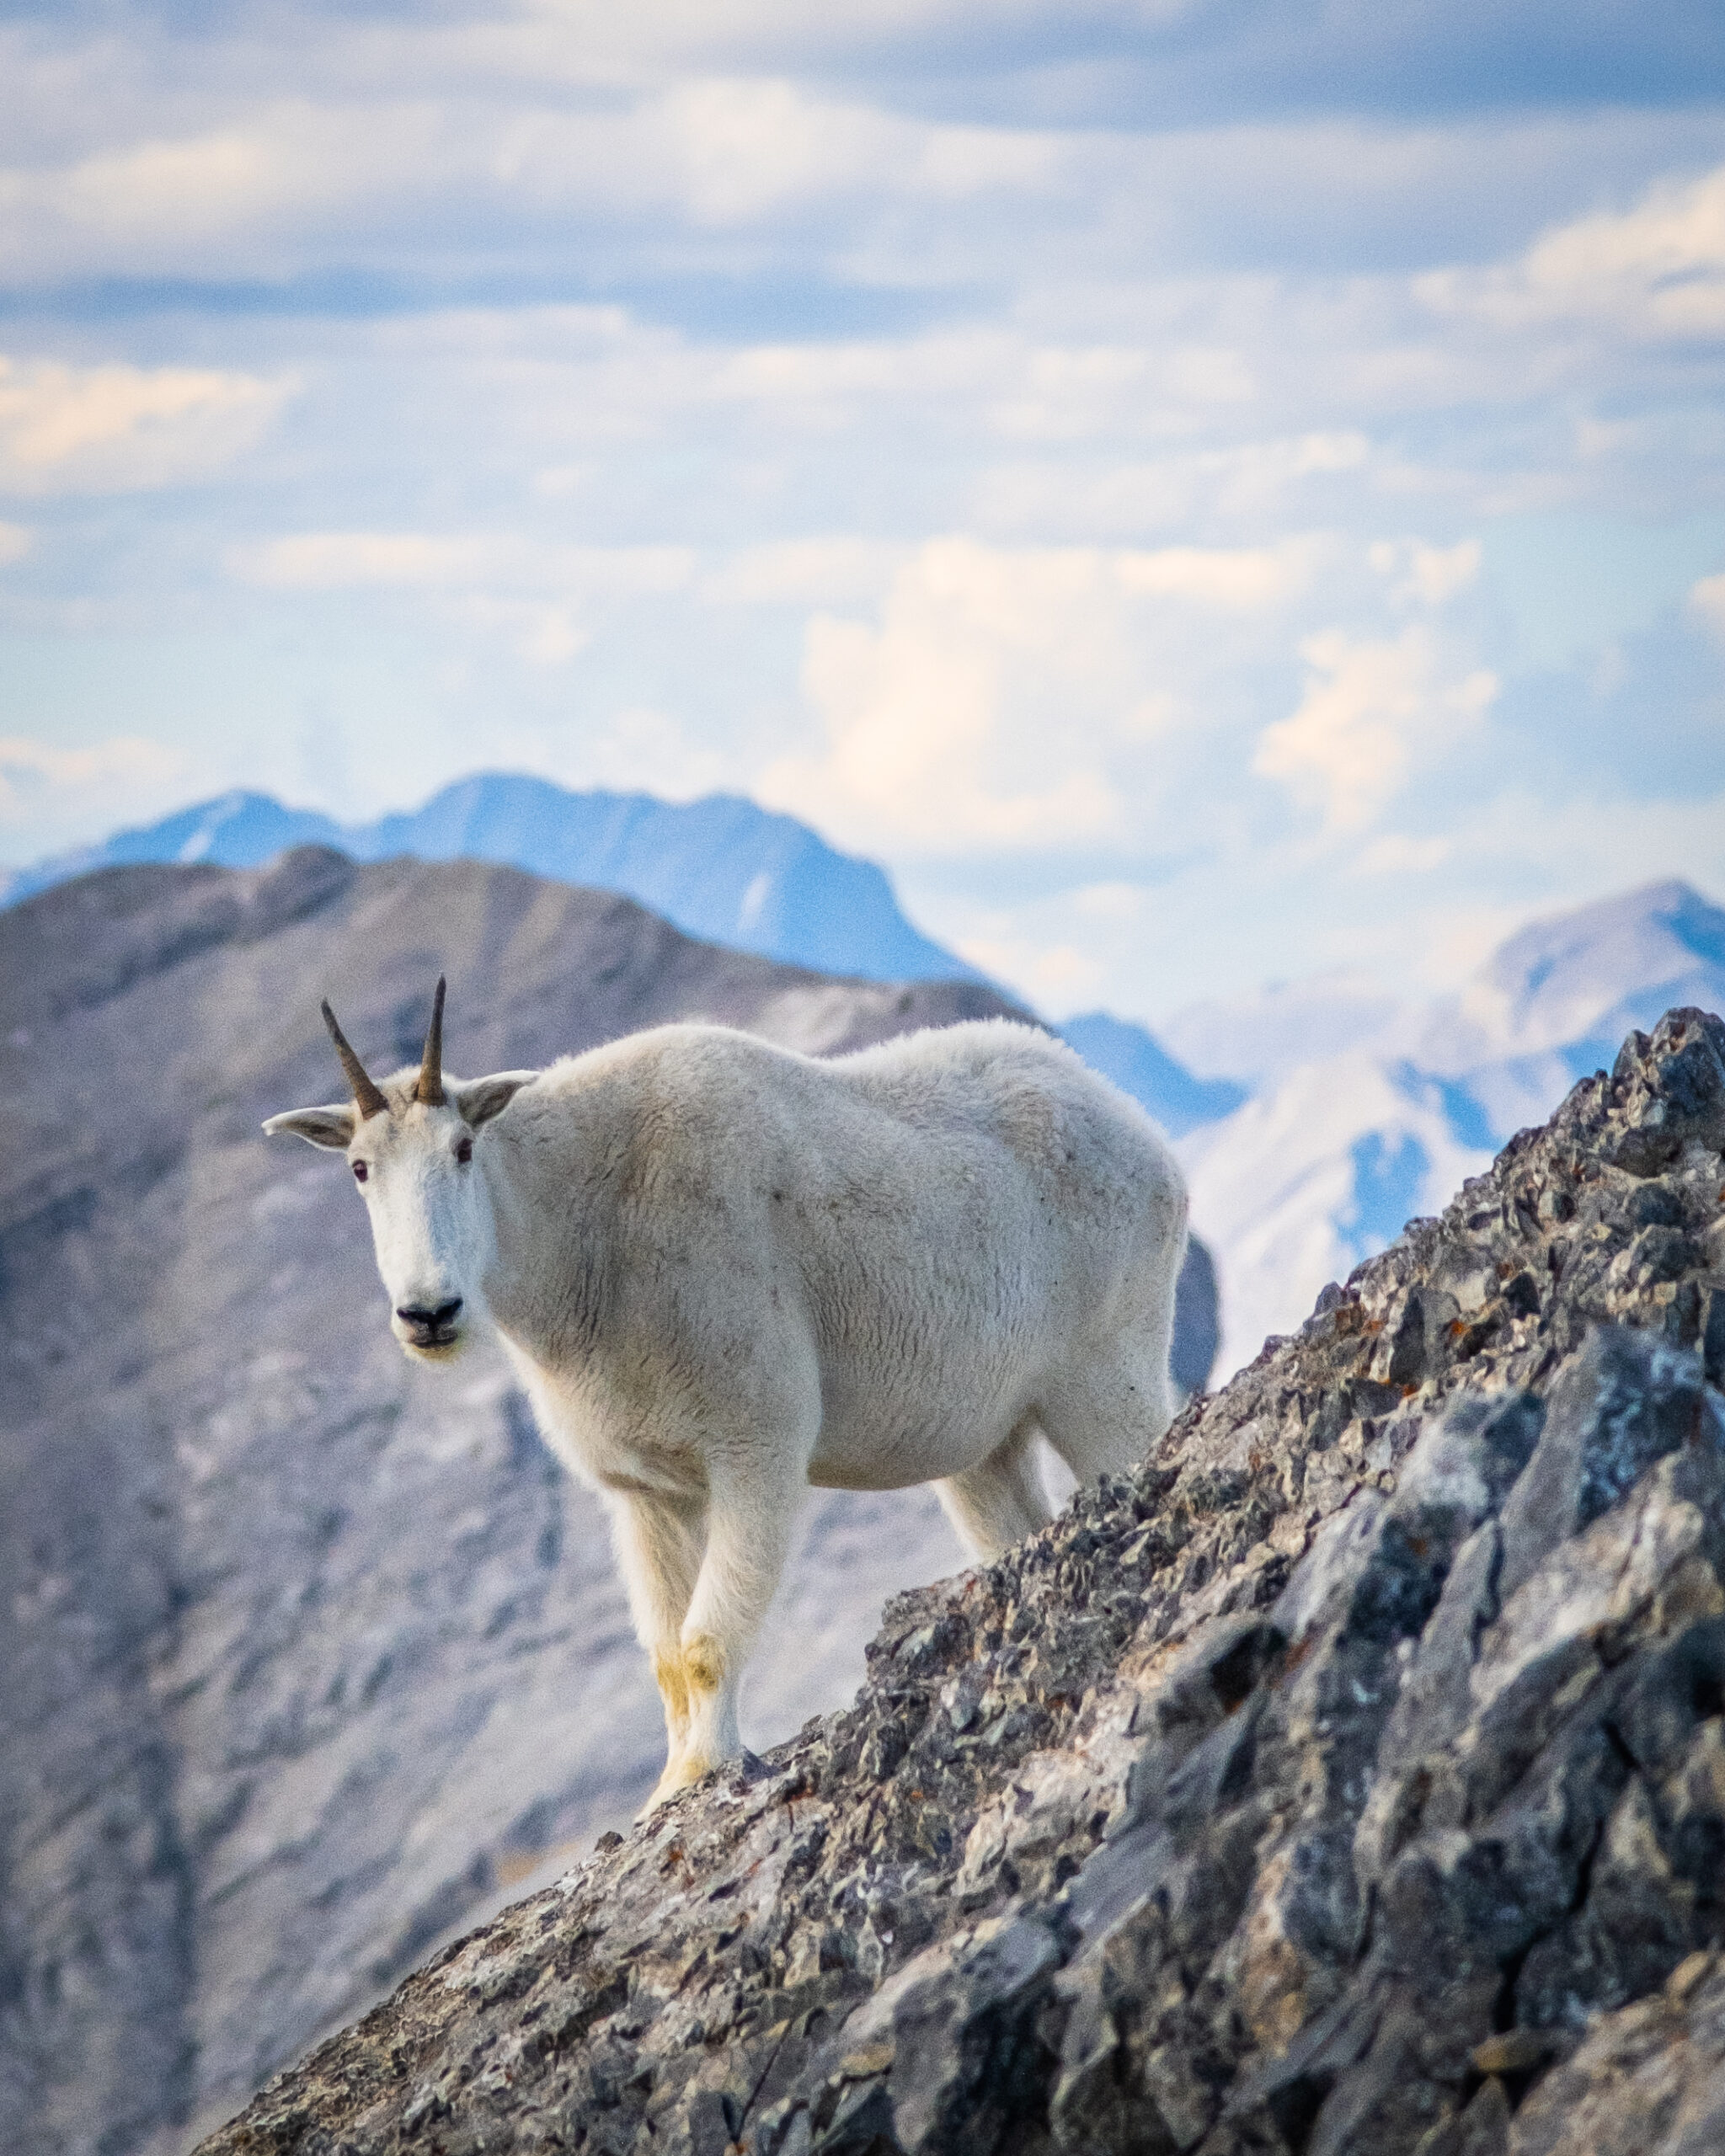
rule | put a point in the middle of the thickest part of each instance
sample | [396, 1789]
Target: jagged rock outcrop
[1351, 1778]
[307, 1656]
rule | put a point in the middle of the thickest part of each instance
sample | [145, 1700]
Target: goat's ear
[333, 1126]
[482, 1098]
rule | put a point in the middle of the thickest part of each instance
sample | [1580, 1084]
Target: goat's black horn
[430, 1088]
[366, 1097]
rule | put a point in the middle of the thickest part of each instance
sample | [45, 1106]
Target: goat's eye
[360, 1171]
[464, 1150]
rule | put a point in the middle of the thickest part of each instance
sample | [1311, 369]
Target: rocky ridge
[1352, 1777]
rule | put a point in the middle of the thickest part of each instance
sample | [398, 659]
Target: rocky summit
[1352, 1777]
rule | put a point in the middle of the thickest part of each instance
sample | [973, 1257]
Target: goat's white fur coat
[724, 1271]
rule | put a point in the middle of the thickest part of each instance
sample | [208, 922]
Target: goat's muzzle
[431, 1328]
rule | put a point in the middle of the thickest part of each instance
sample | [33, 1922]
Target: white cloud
[653, 751]
[1245, 580]
[46, 792]
[544, 634]
[1070, 393]
[540, 598]
[1395, 853]
[252, 183]
[833, 572]
[1580, 842]
[1008, 698]
[346, 561]
[1657, 270]
[1113, 901]
[16, 541]
[200, 200]
[1426, 576]
[746, 148]
[999, 385]
[1246, 486]
[1370, 706]
[1048, 977]
[1706, 602]
[354, 561]
[99, 430]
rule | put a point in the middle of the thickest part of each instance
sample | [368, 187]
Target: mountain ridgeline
[720, 869]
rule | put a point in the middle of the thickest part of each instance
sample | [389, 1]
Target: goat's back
[938, 1231]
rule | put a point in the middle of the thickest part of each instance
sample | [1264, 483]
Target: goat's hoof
[680, 1775]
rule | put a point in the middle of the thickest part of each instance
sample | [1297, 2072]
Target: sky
[1205, 491]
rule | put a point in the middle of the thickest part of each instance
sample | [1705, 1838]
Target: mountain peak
[1599, 969]
[719, 867]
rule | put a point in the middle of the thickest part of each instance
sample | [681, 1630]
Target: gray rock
[1623, 1401]
[1350, 1778]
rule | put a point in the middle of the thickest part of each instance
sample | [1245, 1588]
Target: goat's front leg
[659, 1540]
[750, 1517]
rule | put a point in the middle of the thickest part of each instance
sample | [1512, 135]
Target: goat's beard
[447, 1351]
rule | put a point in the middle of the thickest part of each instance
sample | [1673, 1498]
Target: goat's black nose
[432, 1321]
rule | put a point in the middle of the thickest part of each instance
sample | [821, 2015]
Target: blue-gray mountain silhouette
[721, 868]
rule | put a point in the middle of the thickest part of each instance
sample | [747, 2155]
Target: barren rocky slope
[305, 1656]
[1351, 1778]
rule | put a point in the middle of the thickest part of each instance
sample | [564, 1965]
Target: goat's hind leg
[1105, 1418]
[660, 1540]
[1001, 1499]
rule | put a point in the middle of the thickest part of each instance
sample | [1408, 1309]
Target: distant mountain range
[720, 869]
[1140, 1066]
[1365, 1112]
[1314, 1117]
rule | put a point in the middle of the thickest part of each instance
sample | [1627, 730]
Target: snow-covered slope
[1335, 1151]
[720, 869]
[1258, 1039]
[1299, 1185]
[1583, 980]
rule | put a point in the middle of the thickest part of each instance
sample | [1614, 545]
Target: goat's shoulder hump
[978, 1047]
[688, 1060]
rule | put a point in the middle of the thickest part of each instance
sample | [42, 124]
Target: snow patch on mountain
[1326, 1162]
[1303, 1181]
[1256, 1039]
[1583, 978]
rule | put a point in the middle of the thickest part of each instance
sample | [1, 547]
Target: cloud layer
[1203, 493]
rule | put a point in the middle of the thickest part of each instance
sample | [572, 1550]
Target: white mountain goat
[723, 1272]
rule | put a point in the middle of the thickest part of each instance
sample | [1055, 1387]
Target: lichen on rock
[1349, 1778]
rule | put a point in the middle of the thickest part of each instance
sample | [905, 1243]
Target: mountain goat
[723, 1270]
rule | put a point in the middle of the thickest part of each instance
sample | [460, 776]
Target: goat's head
[409, 1143]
